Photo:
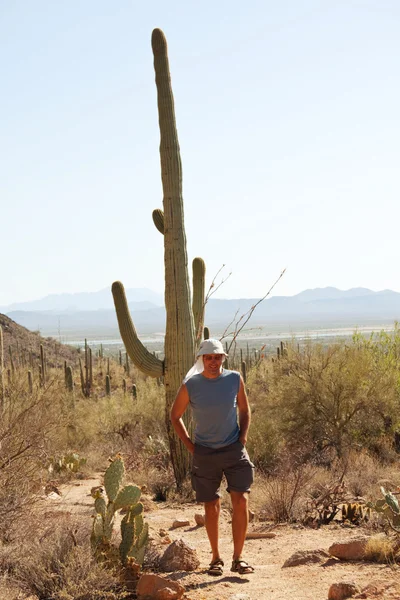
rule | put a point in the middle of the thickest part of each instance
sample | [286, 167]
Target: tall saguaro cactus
[184, 323]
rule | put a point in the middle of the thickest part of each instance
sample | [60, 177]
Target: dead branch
[244, 319]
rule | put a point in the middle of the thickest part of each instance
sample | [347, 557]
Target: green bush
[319, 402]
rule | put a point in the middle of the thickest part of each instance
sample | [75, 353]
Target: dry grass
[382, 548]
[55, 561]
[283, 494]
[363, 473]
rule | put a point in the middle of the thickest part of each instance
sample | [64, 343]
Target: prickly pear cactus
[134, 532]
[70, 462]
[388, 506]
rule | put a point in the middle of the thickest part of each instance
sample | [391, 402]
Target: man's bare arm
[244, 412]
[178, 408]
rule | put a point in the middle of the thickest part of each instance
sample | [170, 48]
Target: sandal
[216, 567]
[241, 566]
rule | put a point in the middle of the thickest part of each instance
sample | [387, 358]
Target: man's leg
[212, 510]
[240, 521]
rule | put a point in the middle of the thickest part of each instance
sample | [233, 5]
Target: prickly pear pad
[113, 478]
[129, 495]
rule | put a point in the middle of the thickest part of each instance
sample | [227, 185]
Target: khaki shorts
[210, 464]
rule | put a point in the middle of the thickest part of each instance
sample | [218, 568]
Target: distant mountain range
[100, 300]
[68, 314]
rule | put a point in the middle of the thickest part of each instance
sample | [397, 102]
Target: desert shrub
[265, 443]
[284, 492]
[154, 468]
[58, 564]
[160, 482]
[30, 428]
[362, 471]
[104, 425]
[322, 401]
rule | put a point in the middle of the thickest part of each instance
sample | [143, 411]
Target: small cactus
[244, 371]
[388, 506]
[134, 532]
[90, 369]
[69, 380]
[87, 373]
[108, 385]
[12, 365]
[30, 382]
[70, 462]
[127, 365]
[355, 513]
[83, 385]
[42, 364]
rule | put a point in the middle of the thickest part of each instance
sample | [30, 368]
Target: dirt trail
[267, 555]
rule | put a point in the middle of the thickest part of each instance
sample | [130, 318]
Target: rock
[200, 519]
[240, 597]
[381, 589]
[351, 550]
[180, 523]
[306, 557]
[342, 590]
[53, 496]
[154, 587]
[162, 533]
[51, 488]
[166, 540]
[179, 557]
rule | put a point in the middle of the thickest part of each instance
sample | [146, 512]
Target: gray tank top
[214, 406]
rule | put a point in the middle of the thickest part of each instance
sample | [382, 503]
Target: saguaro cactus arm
[140, 356]
[158, 219]
[199, 282]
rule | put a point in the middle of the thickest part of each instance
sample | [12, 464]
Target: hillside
[22, 342]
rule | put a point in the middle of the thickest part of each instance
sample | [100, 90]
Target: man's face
[212, 364]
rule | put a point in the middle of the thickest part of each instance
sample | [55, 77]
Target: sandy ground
[269, 580]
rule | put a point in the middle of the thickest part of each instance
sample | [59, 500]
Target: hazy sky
[289, 125]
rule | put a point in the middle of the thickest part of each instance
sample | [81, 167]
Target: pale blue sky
[288, 118]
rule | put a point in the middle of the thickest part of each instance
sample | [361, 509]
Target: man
[217, 397]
